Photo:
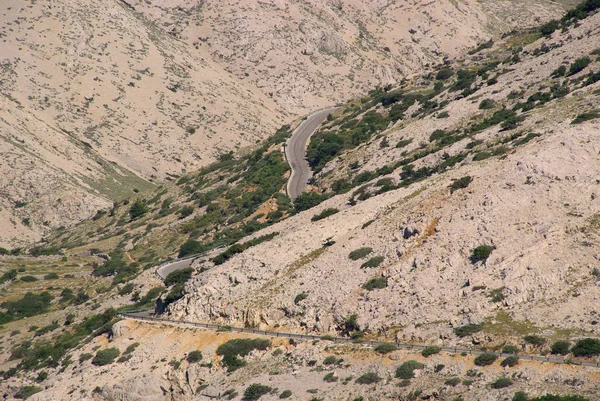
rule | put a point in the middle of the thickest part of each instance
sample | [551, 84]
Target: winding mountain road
[295, 151]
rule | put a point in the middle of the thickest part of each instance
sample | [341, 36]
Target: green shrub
[560, 347]
[233, 349]
[30, 305]
[586, 117]
[460, 183]
[431, 350]
[502, 382]
[403, 143]
[255, 391]
[444, 74]
[368, 378]
[551, 397]
[106, 356]
[534, 340]
[549, 27]
[520, 396]
[375, 261]
[194, 356]
[406, 370]
[586, 347]
[332, 360]
[578, 65]
[467, 329]
[285, 394]
[191, 247]
[138, 209]
[51, 276]
[510, 349]
[351, 324]
[510, 361]
[487, 104]
[485, 359]
[375, 284]
[28, 279]
[179, 276]
[185, 211]
[300, 297]
[481, 253]
[453, 381]
[126, 289]
[385, 348]
[27, 391]
[359, 253]
[308, 200]
[325, 213]
[84, 357]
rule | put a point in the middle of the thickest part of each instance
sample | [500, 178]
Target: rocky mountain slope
[163, 88]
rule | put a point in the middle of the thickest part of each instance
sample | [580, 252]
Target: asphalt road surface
[295, 152]
[164, 270]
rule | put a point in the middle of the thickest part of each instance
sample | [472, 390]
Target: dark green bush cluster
[138, 209]
[368, 378]
[481, 253]
[580, 12]
[233, 349]
[460, 183]
[485, 359]
[300, 297]
[375, 284]
[482, 46]
[360, 253]
[590, 115]
[510, 361]
[194, 356]
[325, 213]
[30, 305]
[502, 382]
[431, 350]
[560, 347]
[453, 381]
[406, 370]
[375, 261]
[537, 341]
[27, 391]
[308, 200]
[106, 356]
[255, 391]
[586, 347]
[116, 266]
[507, 118]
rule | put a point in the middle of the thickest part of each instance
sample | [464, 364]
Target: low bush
[106, 356]
[138, 209]
[510, 361]
[586, 117]
[359, 253]
[240, 347]
[502, 382]
[28, 279]
[406, 370]
[586, 347]
[453, 381]
[578, 65]
[308, 200]
[487, 104]
[285, 394]
[385, 348]
[51, 276]
[560, 347]
[431, 350]
[255, 391]
[375, 261]
[481, 253]
[460, 183]
[194, 356]
[324, 214]
[375, 284]
[27, 391]
[485, 359]
[368, 378]
[330, 377]
[332, 360]
[300, 297]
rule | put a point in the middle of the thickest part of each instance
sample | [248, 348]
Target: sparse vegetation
[325, 213]
[106, 356]
[360, 253]
[468, 329]
[431, 350]
[194, 356]
[375, 261]
[502, 382]
[460, 183]
[385, 348]
[255, 391]
[481, 253]
[406, 370]
[375, 284]
[510, 361]
[232, 350]
[368, 378]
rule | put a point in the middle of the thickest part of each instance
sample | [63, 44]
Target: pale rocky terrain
[537, 204]
[161, 88]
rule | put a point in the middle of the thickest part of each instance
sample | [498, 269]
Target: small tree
[137, 209]
[481, 253]
[105, 356]
[431, 350]
[586, 347]
[368, 378]
[560, 347]
[194, 356]
[485, 359]
[510, 361]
